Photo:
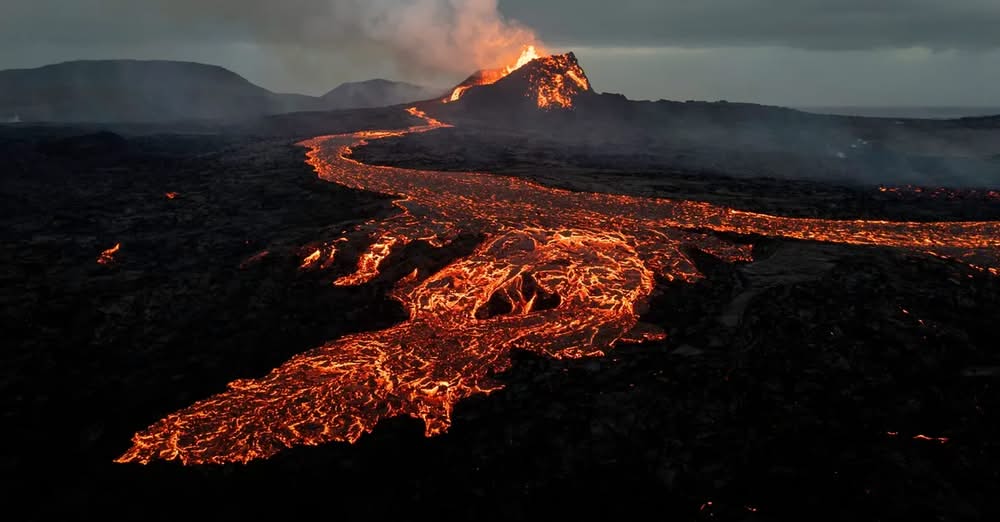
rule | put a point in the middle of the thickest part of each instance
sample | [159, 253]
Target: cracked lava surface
[559, 273]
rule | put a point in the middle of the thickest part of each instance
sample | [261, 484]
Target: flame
[559, 273]
[108, 256]
[527, 56]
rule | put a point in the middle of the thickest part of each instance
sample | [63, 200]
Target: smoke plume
[429, 36]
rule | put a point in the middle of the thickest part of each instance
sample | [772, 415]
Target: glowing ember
[254, 259]
[171, 195]
[526, 57]
[940, 440]
[910, 191]
[560, 273]
[108, 256]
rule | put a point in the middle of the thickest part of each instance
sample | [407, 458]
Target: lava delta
[560, 273]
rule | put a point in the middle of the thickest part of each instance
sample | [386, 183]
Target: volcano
[548, 83]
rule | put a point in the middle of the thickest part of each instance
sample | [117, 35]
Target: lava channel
[559, 273]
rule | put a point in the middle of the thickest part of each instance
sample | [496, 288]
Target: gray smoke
[424, 36]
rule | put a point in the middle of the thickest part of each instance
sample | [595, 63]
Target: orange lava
[939, 440]
[941, 193]
[557, 81]
[108, 256]
[553, 84]
[491, 76]
[311, 259]
[560, 273]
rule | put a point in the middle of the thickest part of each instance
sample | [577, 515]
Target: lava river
[559, 273]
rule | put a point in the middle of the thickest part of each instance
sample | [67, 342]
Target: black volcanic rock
[98, 144]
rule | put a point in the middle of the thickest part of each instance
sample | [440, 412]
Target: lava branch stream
[561, 273]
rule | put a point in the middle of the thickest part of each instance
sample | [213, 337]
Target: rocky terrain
[616, 168]
[732, 139]
[819, 382]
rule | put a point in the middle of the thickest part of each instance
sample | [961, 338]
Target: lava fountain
[559, 273]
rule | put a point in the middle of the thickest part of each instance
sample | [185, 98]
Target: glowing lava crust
[560, 273]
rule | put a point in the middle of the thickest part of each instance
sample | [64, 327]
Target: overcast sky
[788, 52]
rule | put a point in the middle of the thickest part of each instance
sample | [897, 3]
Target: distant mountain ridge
[163, 91]
[375, 93]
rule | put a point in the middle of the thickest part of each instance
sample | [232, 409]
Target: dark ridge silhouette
[114, 91]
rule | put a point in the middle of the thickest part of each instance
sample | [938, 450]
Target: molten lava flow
[108, 256]
[491, 76]
[556, 80]
[560, 273]
[311, 259]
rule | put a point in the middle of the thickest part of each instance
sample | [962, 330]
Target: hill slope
[163, 91]
[375, 93]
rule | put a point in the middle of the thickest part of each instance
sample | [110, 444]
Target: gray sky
[788, 52]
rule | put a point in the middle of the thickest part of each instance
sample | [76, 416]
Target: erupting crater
[552, 81]
[560, 273]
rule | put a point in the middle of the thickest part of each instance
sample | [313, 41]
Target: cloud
[777, 51]
[800, 24]
[798, 77]
[451, 34]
